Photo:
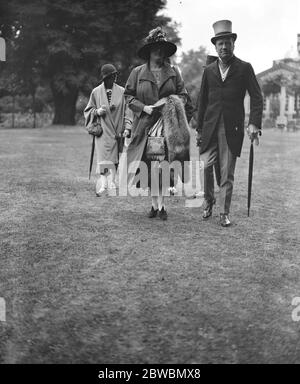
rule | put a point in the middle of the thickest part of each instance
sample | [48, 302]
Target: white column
[291, 107]
[268, 109]
[281, 119]
[282, 101]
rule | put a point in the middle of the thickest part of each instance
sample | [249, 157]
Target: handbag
[155, 148]
[95, 127]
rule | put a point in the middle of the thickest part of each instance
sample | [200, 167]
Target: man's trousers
[219, 151]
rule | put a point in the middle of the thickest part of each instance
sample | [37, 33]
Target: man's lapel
[216, 70]
[231, 71]
[232, 68]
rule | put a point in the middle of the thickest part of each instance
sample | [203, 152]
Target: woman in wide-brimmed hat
[147, 84]
[108, 101]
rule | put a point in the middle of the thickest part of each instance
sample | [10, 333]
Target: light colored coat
[113, 123]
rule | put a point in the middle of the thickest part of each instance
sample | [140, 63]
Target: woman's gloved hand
[198, 139]
[148, 109]
[101, 111]
[127, 133]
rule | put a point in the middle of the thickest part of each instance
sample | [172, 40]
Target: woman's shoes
[112, 186]
[100, 192]
[101, 185]
[152, 213]
[162, 214]
[172, 191]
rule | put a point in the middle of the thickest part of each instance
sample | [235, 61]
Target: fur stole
[176, 129]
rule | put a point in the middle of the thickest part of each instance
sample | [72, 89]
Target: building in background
[281, 90]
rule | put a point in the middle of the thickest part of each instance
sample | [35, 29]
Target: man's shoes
[162, 214]
[152, 213]
[224, 220]
[208, 207]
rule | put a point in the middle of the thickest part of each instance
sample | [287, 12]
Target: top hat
[107, 70]
[223, 28]
[156, 38]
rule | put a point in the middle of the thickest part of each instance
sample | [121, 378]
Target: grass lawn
[93, 280]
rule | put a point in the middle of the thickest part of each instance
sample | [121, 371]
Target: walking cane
[92, 156]
[250, 173]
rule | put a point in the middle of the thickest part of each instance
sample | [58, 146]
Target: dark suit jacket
[227, 97]
[189, 108]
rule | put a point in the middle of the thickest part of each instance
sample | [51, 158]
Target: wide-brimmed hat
[157, 37]
[223, 28]
[107, 70]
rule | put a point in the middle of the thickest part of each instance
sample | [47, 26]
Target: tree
[65, 42]
[192, 65]
[21, 72]
[10, 82]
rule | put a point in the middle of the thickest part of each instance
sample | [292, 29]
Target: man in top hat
[221, 115]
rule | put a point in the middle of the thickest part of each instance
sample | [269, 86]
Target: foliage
[271, 84]
[192, 66]
[63, 43]
[23, 103]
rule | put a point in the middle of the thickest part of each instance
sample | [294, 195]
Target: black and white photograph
[149, 185]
